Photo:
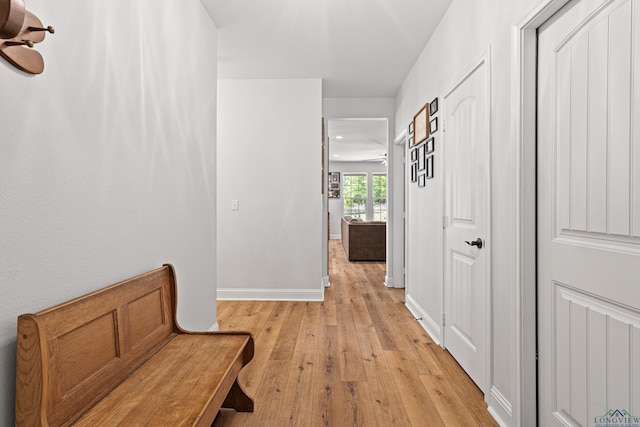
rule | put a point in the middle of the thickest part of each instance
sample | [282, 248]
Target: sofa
[364, 240]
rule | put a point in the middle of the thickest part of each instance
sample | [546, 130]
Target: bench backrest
[71, 355]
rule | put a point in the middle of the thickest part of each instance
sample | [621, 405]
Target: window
[354, 194]
[365, 196]
[379, 197]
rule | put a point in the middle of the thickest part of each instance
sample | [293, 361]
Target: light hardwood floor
[357, 359]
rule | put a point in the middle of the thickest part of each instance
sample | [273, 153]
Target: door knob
[477, 242]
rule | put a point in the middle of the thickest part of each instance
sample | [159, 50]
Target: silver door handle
[477, 242]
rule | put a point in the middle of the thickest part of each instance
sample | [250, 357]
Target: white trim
[271, 294]
[325, 282]
[395, 211]
[390, 282]
[432, 327]
[488, 212]
[496, 417]
[214, 328]
[404, 142]
[326, 221]
[523, 132]
[401, 138]
[336, 236]
[504, 403]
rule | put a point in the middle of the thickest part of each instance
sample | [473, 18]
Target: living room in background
[354, 191]
[379, 188]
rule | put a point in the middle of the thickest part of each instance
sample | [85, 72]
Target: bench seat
[175, 387]
[117, 356]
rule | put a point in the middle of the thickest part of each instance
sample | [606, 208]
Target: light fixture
[339, 137]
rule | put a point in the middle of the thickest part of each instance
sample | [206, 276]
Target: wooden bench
[118, 357]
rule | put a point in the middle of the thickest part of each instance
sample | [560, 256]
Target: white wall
[336, 206]
[107, 164]
[424, 290]
[448, 54]
[269, 159]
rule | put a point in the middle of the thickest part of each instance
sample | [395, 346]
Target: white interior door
[589, 214]
[466, 259]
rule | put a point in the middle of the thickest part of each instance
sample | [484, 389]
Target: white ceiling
[360, 48]
[362, 140]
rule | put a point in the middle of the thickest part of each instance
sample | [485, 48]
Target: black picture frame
[421, 162]
[422, 181]
[414, 154]
[433, 106]
[414, 172]
[334, 185]
[411, 141]
[429, 146]
[430, 170]
[433, 126]
[411, 128]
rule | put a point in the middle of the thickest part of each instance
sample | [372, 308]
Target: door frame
[524, 42]
[399, 235]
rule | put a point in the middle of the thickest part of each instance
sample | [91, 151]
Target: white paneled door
[466, 143]
[589, 215]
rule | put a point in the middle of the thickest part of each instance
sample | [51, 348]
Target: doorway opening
[358, 186]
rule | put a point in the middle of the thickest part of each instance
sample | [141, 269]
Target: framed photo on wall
[433, 106]
[414, 172]
[421, 125]
[429, 167]
[334, 185]
[421, 163]
[433, 126]
[429, 146]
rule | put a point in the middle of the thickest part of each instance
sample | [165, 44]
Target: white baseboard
[214, 328]
[496, 417]
[389, 282]
[325, 282]
[271, 294]
[337, 236]
[502, 409]
[428, 324]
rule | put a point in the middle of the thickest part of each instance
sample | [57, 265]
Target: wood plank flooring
[357, 359]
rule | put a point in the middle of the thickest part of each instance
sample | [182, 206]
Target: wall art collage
[334, 185]
[422, 143]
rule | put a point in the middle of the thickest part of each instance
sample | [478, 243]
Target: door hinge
[444, 221]
[443, 322]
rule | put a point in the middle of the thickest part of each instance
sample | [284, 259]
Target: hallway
[358, 358]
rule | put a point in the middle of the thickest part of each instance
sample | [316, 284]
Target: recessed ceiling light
[339, 137]
[336, 155]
